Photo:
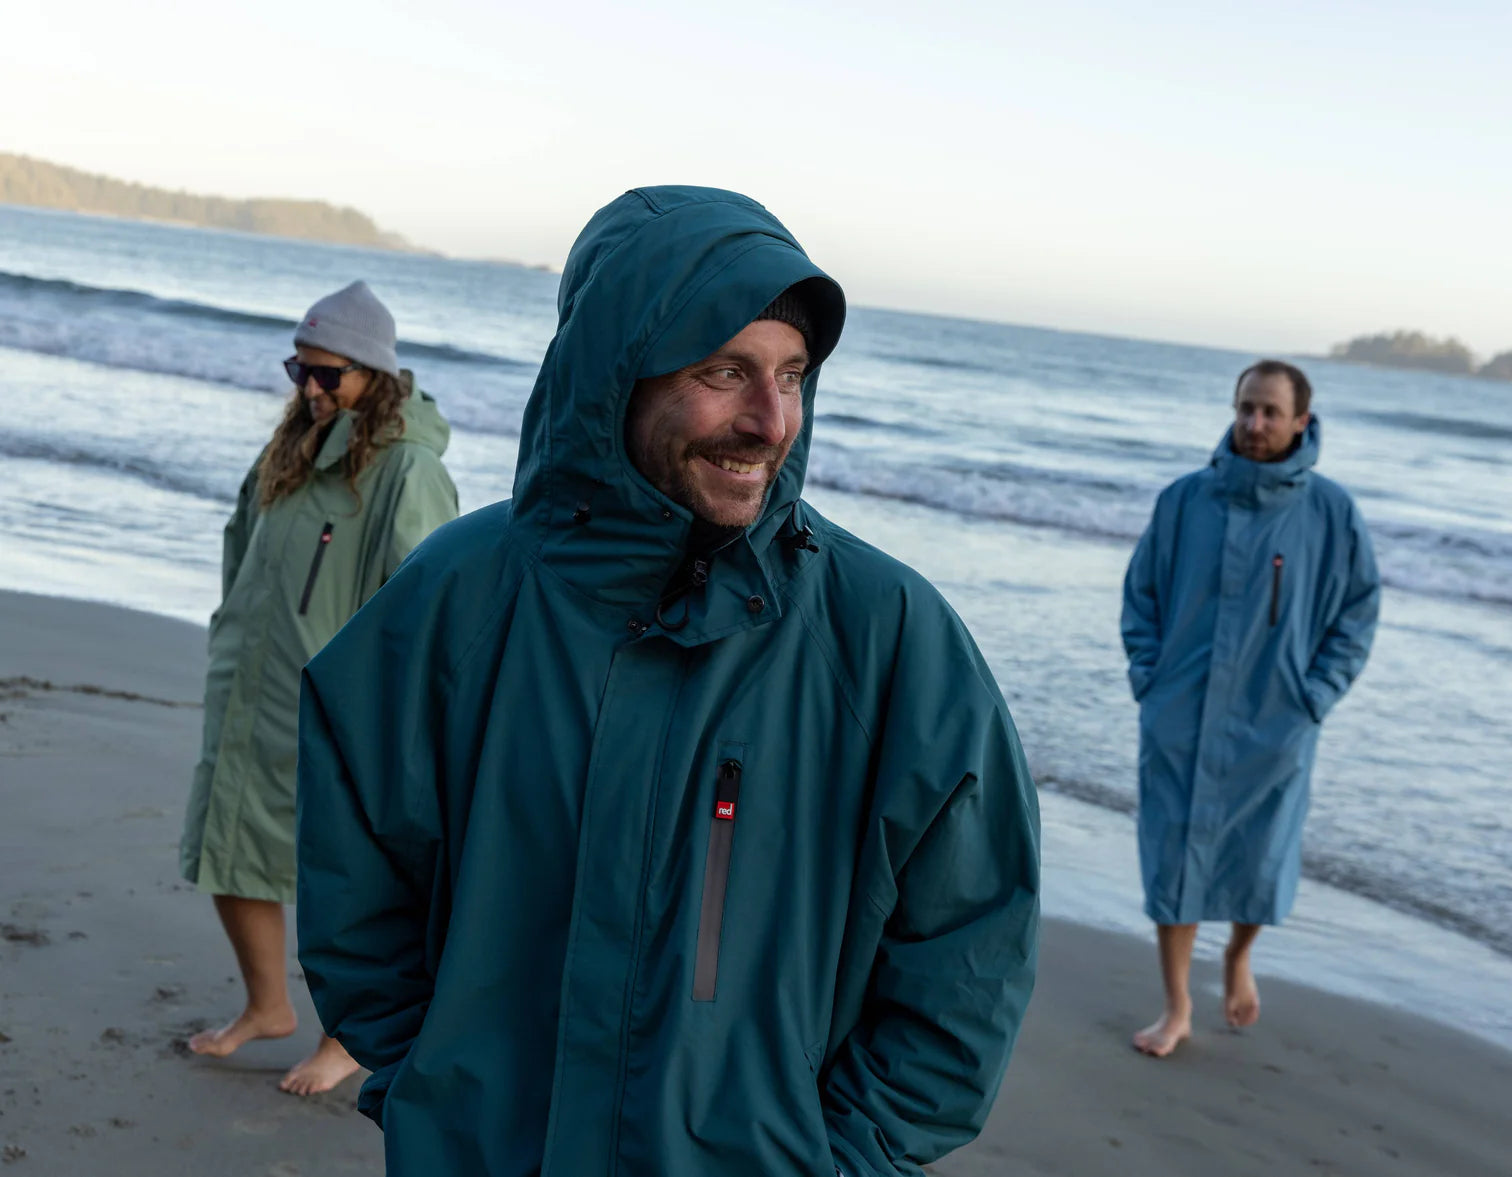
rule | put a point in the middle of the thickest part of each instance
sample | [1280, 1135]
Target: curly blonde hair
[289, 460]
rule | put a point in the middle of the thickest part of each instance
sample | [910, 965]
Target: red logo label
[725, 810]
[314, 322]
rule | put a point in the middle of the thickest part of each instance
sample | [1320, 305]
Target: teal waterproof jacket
[1249, 608]
[749, 892]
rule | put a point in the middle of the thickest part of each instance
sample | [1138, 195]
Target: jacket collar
[1257, 485]
[622, 561]
[423, 423]
[333, 449]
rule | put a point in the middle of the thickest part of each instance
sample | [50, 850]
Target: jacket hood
[1258, 483]
[423, 425]
[423, 422]
[658, 279]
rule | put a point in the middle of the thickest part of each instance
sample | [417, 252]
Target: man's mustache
[736, 449]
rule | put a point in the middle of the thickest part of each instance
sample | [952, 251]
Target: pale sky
[1269, 177]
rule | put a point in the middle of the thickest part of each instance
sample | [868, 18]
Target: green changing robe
[291, 576]
[754, 892]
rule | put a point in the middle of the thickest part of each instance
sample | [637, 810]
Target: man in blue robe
[1249, 608]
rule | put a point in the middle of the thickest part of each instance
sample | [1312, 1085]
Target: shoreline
[1335, 942]
[108, 961]
[1391, 921]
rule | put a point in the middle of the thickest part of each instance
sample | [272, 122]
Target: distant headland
[34, 182]
[1413, 349]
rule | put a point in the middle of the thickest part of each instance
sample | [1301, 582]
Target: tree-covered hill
[28, 181]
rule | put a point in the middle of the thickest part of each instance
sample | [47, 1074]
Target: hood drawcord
[682, 589]
[705, 542]
[797, 537]
[801, 540]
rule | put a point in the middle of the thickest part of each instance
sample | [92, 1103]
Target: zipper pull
[320, 550]
[727, 790]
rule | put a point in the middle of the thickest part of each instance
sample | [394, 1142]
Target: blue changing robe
[1249, 608]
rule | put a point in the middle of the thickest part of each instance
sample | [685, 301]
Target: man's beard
[687, 490]
[1255, 447]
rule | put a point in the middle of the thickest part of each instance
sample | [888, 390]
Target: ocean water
[139, 375]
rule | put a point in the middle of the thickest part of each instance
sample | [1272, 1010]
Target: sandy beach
[108, 962]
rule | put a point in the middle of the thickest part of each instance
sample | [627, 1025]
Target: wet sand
[108, 962]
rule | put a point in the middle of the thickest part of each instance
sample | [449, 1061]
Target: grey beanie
[352, 323]
[788, 307]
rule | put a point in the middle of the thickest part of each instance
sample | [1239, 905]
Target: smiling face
[324, 405]
[1266, 421]
[712, 436]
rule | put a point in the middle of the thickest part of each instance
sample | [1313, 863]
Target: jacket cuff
[844, 1159]
[375, 1090]
[1319, 699]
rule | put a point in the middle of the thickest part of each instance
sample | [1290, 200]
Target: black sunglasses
[328, 376]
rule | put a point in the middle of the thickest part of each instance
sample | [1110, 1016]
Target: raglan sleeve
[1140, 622]
[368, 821]
[238, 533]
[1346, 643]
[955, 963]
[426, 500]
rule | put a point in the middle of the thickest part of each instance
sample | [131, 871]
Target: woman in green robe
[350, 482]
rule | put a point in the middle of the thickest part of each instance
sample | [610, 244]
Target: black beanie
[789, 308]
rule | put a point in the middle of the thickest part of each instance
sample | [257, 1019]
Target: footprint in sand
[115, 1036]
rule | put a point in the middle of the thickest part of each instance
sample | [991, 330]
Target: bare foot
[1241, 999]
[277, 1023]
[1159, 1039]
[328, 1066]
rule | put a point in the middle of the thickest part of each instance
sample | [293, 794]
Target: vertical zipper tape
[320, 549]
[716, 879]
[1277, 563]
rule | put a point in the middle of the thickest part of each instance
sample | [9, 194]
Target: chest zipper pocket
[320, 550]
[1278, 562]
[716, 879]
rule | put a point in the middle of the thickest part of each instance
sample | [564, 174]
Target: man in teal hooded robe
[651, 824]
